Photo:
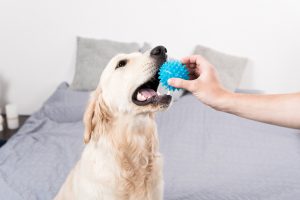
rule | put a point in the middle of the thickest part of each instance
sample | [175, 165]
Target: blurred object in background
[12, 116]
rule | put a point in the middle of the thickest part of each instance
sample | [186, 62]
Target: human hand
[204, 82]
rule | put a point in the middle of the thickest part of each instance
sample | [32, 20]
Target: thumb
[180, 83]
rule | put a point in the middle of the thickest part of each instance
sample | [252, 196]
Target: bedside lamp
[12, 116]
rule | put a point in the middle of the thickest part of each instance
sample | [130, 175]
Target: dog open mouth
[148, 94]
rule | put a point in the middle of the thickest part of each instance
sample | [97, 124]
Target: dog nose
[159, 51]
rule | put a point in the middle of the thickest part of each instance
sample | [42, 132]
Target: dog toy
[172, 69]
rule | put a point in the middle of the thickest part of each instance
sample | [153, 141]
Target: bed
[207, 154]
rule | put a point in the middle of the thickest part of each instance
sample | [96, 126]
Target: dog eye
[122, 63]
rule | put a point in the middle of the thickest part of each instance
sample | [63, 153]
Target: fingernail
[170, 81]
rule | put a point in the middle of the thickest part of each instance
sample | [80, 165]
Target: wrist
[225, 101]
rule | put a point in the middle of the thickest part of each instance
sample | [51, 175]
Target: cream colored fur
[121, 160]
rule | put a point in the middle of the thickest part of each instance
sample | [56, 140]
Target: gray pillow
[146, 47]
[92, 56]
[230, 68]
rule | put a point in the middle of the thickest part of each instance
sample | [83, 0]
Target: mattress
[207, 154]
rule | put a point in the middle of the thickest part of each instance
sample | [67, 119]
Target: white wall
[37, 38]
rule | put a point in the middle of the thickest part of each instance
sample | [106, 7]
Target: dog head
[129, 84]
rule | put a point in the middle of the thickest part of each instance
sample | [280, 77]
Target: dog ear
[90, 115]
[88, 118]
[96, 114]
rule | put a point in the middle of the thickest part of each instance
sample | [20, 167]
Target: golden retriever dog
[121, 160]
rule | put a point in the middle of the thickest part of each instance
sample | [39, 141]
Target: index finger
[197, 60]
[194, 59]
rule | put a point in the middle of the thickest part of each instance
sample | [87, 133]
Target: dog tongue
[145, 94]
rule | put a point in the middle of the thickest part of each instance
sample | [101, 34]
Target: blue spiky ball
[172, 69]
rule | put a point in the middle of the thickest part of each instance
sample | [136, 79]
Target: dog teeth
[158, 93]
[140, 97]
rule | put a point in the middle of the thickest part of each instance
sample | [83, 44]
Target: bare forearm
[282, 110]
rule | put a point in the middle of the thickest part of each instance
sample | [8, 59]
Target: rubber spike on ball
[172, 69]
